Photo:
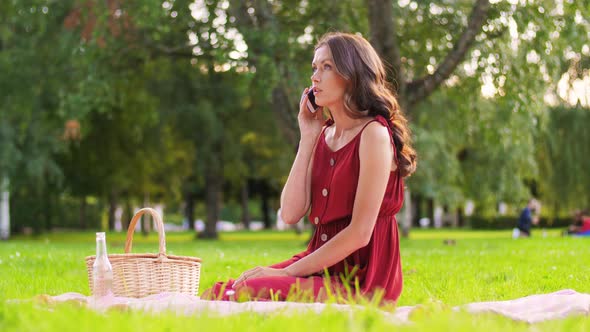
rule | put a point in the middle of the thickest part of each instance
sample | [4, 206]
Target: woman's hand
[259, 271]
[310, 124]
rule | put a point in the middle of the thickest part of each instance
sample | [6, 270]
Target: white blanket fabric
[530, 309]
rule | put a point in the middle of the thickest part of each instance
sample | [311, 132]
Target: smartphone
[311, 105]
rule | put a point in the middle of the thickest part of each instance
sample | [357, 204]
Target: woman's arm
[376, 155]
[296, 195]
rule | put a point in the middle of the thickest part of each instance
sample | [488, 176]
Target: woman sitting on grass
[581, 225]
[348, 174]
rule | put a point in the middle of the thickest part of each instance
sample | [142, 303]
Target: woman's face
[328, 86]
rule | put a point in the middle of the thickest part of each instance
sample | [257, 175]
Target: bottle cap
[100, 236]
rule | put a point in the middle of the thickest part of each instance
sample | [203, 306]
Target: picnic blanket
[530, 309]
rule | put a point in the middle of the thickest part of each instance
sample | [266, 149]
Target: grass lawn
[482, 266]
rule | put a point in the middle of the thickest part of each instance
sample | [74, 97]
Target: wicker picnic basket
[140, 275]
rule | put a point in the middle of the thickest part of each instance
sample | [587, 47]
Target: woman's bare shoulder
[375, 134]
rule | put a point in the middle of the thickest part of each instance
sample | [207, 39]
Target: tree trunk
[407, 218]
[264, 197]
[4, 209]
[430, 203]
[213, 187]
[286, 114]
[82, 217]
[383, 37]
[128, 212]
[146, 219]
[438, 216]
[47, 213]
[555, 212]
[417, 214]
[245, 210]
[189, 209]
[460, 217]
[112, 209]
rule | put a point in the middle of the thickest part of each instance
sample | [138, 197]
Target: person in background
[528, 217]
[581, 225]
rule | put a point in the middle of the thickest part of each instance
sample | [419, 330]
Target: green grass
[482, 266]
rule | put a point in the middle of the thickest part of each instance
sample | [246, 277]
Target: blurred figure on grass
[528, 217]
[581, 224]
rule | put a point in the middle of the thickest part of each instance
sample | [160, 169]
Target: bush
[29, 210]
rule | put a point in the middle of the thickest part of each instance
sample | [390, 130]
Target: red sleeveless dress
[377, 266]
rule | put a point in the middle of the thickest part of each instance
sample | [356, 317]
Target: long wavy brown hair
[368, 92]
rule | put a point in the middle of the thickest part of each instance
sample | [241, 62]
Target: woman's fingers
[303, 96]
[303, 100]
[240, 279]
[252, 273]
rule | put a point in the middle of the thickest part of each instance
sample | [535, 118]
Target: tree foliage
[563, 152]
[192, 99]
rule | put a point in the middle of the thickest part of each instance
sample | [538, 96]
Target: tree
[33, 54]
[563, 158]
[515, 62]
[205, 89]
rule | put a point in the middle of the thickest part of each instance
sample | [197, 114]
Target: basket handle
[157, 219]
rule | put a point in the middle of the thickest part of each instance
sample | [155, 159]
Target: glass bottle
[102, 270]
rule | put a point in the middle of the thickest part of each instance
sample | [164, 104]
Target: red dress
[377, 266]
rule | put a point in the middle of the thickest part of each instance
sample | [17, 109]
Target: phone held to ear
[311, 105]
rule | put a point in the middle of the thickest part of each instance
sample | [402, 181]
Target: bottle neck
[101, 248]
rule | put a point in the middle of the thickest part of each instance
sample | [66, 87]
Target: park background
[190, 107]
[107, 106]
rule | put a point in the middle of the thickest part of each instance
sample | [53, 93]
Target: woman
[348, 174]
[581, 225]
